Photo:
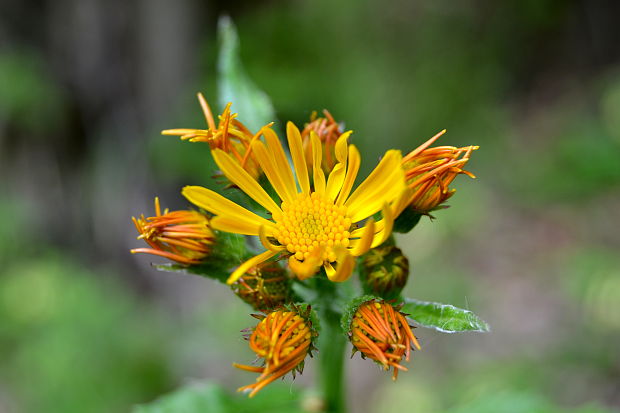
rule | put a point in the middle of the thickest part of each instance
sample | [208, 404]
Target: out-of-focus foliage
[212, 398]
[234, 84]
[28, 95]
[72, 341]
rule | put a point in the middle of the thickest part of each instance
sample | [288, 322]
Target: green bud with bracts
[384, 271]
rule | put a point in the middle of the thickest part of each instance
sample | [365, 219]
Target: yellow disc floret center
[310, 222]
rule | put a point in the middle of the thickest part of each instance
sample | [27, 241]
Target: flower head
[182, 236]
[229, 135]
[264, 287]
[314, 226]
[381, 332]
[328, 131]
[429, 172]
[282, 339]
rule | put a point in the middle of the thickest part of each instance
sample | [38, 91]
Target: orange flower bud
[328, 131]
[282, 339]
[230, 135]
[380, 332]
[182, 236]
[429, 172]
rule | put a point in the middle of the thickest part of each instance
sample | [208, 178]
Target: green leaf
[234, 85]
[406, 221]
[443, 317]
[229, 251]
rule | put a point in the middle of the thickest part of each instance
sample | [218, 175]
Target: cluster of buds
[429, 172]
[264, 287]
[282, 339]
[381, 332]
[384, 271]
[229, 135]
[182, 236]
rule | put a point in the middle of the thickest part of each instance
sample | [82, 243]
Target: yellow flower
[381, 333]
[229, 135]
[314, 226]
[328, 131]
[181, 236]
[282, 339]
[429, 172]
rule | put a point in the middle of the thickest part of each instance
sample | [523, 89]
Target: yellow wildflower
[313, 226]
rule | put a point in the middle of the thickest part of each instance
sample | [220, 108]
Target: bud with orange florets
[282, 339]
[183, 236]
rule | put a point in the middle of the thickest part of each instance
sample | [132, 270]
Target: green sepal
[443, 317]
[229, 251]
[350, 309]
[406, 221]
[234, 85]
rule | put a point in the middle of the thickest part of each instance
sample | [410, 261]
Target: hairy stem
[332, 344]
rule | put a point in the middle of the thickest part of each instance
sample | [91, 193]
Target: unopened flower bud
[229, 135]
[282, 339]
[429, 172]
[379, 331]
[328, 131]
[264, 287]
[183, 236]
[385, 271]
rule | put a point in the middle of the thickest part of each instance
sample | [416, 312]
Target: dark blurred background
[532, 245]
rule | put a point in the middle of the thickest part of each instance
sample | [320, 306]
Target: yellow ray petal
[280, 161]
[402, 201]
[218, 205]
[337, 175]
[234, 225]
[308, 267]
[244, 180]
[353, 167]
[262, 234]
[317, 159]
[388, 223]
[267, 165]
[384, 184]
[341, 148]
[362, 245]
[297, 153]
[243, 268]
[345, 262]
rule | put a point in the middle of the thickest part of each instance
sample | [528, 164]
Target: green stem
[332, 344]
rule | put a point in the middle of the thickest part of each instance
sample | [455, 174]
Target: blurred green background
[532, 245]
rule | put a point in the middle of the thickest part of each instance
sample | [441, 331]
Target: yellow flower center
[311, 222]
